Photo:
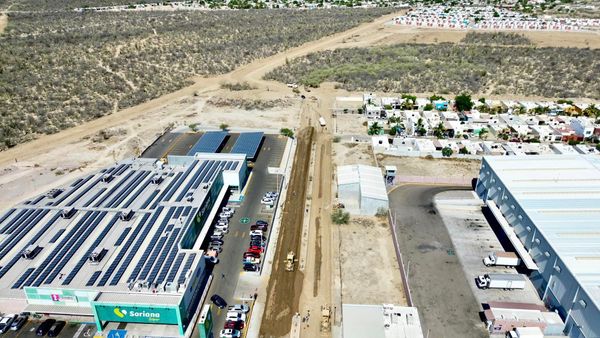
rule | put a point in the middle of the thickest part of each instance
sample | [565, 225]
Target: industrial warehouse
[123, 244]
[549, 207]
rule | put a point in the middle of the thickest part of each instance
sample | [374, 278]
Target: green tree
[447, 152]
[463, 151]
[463, 102]
[598, 146]
[223, 126]
[420, 128]
[375, 129]
[439, 130]
[436, 97]
[339, 216]
[287, 132]
[428, 107]
[592, 111]
[483, 132]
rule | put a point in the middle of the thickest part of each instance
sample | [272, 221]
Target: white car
[222, 222]
[243, 308]
[235, 316]
[271, 194]
[220, 232]
[222, 227]
[6, 321]
[256, 233]
[267, 201]
[225, 215]
[229, 333]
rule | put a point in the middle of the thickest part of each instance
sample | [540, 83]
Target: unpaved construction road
[283, 291]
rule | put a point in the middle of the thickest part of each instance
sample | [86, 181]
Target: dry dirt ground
[353, 153]
[350, 124]
[370, 275]
[416, 166]
[393, 34]
[3, 22]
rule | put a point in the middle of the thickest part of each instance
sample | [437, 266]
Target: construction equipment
[325, 318]
[289, 261]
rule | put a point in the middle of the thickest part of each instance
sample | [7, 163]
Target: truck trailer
[506, 281]
[502, 258]
[525, 332]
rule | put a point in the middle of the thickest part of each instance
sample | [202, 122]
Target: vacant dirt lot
[353, 153]
[416, 166]
[350, 124]
[370, 273]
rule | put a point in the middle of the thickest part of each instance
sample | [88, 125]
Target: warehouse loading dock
[514, 240]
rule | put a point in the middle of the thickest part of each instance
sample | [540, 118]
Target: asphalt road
[71, 330]
[440, 290]
[237, 240]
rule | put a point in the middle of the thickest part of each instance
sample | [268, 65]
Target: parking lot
[74, 330]
[229, 269]
[474, 239]
[439, 288]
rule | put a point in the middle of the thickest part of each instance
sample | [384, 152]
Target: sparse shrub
[496, 38]
[238, 86]
[287, 132]
[339, 216]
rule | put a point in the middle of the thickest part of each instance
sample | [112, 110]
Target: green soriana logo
[152, 316]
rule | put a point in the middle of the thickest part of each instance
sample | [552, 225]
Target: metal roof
[370, 179]
[380, 321]
[561, 196]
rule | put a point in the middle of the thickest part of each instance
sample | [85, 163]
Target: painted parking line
[243, 234]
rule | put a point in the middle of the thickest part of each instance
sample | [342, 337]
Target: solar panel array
[210, 142]
[145, 248]
[248, 143]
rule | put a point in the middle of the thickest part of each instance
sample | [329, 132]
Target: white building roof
[380, 321]
[561, 196]
[369, 178]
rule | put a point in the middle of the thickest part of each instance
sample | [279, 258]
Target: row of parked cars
[258, 241]
[15, 322]
[269, 198]
[216, 242]
[235, 320]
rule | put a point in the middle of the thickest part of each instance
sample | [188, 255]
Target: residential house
[440, 105]
[424, 145]
[493, 148]
[583, 127]
[380, 142]
[545, 133]
[404, 143]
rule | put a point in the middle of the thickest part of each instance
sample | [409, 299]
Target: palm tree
[375, 129]
[482, 133]
[439, 130]
[420, 129]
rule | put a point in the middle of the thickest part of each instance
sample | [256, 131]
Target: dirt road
[283, 291]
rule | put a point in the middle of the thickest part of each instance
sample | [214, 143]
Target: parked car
[44, 327]
[218, 249]
[250, 267]
[258, 227]
[256, 232]
[258, 237]
[271, 194]
[229, 333]
[251, 260]
[243, 308]
[256, 249]
[224, 215]
[267, 201]
[213, 236]
[251, 254]
[228, 209]
[218, 301]
[258, 243]
[56, 328]
[212, 259]
[223, 228]
[233, 315]
[234, 325]
[261, 222]
[222, 222]
[6, 322]
[217, 242]
[18, 323]
[220, 232]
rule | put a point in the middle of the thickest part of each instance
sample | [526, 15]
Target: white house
[582, 126]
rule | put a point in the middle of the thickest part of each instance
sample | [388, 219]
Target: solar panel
[96, 195]
[186, 267]
[123, 236]
[167, 250]
[175, 267]
[22, 279]
[17, 218]
[210, 142]
[248, 143]
[150, 199]
[15, 237]
[93, 279]
[191, 181]
[57, 235]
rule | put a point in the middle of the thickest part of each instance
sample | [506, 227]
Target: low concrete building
[361, 189]
[380, 321]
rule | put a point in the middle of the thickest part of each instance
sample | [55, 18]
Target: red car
[258, 227]
[255, 249]
[251, 254]
[234, 325]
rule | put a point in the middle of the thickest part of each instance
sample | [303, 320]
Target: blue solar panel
[210, 142]
[7, 215]
[91, 248]
[16, 236]
[191, 181]
[83, 192]
[186, 267]
[123, 236]
[22, 279]
[96, 195]
[137, 194]
[152, 258]
[175, 268]
[23, 213]
[57, 235]
[93, 279]
[150, 199]
[123, 185]
[248, 143]
[167, 251]
[66, 195]
[123, 250]
[130, 187]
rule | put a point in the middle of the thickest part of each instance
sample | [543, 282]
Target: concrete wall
[555, 284]
[369, 206]
[349, 195]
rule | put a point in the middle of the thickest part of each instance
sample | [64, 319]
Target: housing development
[276, 169]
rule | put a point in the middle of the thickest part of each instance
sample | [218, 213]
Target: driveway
[439, 288]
